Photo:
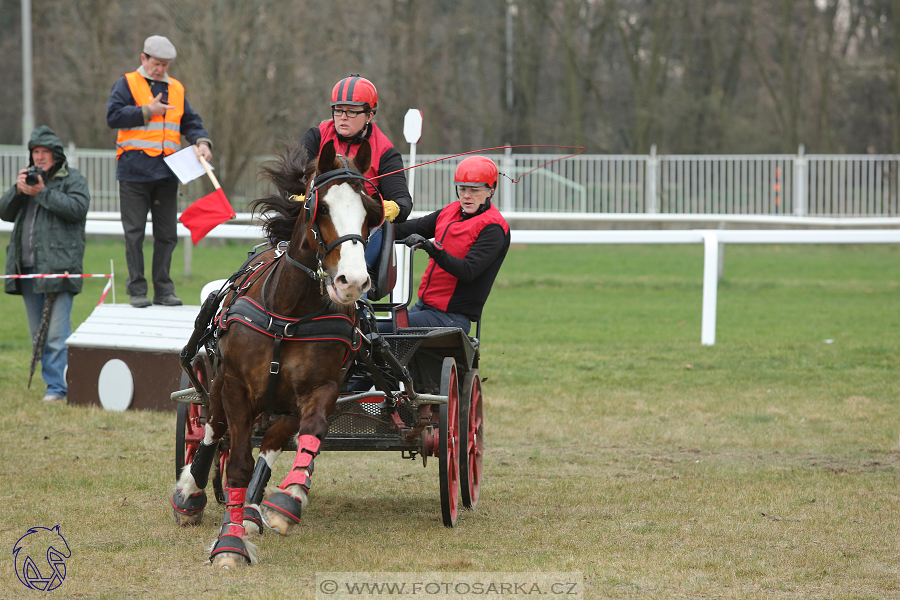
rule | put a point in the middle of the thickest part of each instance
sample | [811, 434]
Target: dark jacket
[393, 187]
[61, 211]
[122, 112]
[469, 252]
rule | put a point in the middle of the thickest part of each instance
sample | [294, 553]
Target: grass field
[617, 446]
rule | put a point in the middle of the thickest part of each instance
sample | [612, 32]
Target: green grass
[617, 446]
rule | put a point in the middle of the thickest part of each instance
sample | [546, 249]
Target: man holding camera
[49, 205]
[151, 112]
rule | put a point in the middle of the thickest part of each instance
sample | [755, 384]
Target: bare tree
[646, 35]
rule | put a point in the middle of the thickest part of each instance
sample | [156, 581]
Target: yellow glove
[391, 210]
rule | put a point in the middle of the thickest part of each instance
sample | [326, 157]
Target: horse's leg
[231, 550]
[277, 435]
[282, 509]
[189, 498]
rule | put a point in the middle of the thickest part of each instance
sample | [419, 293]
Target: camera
[32, 174]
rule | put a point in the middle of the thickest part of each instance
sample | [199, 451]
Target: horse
[285, 334]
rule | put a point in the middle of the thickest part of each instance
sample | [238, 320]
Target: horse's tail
[289, 175]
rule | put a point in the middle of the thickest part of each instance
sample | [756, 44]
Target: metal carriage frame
[412, 390]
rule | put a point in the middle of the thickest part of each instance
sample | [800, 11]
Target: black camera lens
[32, 174]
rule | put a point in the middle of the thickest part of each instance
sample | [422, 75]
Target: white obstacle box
[123, 357]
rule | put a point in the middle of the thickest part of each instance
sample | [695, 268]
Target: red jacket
[459, 280]
[385, 159]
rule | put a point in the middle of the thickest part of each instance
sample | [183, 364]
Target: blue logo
[41, 558]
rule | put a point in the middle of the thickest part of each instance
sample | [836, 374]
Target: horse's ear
[363, 158]
[326, 157]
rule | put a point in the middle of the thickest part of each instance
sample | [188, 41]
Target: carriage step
[188, 396]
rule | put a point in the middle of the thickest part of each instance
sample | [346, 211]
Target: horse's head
[339, 215]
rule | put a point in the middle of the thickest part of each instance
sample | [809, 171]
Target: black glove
[417, 241]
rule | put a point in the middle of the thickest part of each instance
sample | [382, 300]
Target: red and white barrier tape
[52, 276]
[67, 276]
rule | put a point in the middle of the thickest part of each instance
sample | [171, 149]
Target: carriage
[349, 374]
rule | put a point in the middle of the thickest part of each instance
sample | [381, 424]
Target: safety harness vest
[378, 142]
[456, 235]
[162, 135]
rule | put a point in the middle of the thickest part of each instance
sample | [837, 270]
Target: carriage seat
[384, 271]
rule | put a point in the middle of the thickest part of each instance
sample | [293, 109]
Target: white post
[652, 199]
[71, 157]
[507, 201]
[27, 79]
[412, 172]
[710, 288]
[721, 254]
[188, 255]
[801, 191]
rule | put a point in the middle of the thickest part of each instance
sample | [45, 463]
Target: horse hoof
[183, 520]
[188, 511]
[232, 552]
[282, 512]
[277, 523]
[253, 524]
[229, 560]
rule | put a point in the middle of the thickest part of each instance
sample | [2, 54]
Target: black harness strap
[274, 369]
[315, 276]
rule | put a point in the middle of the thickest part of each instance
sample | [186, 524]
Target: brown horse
[285, 332]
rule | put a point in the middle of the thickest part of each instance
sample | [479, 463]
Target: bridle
[311, 208]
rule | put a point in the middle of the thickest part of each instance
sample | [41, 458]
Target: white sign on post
[412, 131]
[412, 126]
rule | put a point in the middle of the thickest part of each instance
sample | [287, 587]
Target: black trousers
[159, 198]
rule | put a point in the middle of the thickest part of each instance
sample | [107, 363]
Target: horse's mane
[289, 173]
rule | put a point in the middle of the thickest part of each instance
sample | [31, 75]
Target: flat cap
[160, 47]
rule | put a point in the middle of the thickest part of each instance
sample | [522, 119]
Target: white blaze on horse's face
[350, 279]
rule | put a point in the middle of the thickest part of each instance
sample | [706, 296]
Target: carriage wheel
[448, 445]
[188, 430]
[471, 435]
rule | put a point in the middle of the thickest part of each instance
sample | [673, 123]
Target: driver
[354, 102]
[471, 239]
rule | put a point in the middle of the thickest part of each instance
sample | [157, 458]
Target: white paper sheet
[186, 165]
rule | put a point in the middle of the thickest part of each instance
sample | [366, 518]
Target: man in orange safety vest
[151, 113]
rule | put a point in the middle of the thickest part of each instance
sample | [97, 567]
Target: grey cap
[160, 47]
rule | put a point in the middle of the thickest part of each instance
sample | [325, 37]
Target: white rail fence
[815, 185]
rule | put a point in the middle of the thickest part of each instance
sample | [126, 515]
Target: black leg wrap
[202, 462]
[252, 515]
[261, 475]
[190, 505]
[286, 504]
[230, 543]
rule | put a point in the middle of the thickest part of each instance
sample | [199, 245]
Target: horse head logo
[41, 557]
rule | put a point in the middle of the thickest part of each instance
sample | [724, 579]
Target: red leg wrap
[307, 449]
[234, 512]
[231, 537]
[298, 477]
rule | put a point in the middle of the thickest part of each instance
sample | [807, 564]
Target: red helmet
[476, 170]
[354, 90]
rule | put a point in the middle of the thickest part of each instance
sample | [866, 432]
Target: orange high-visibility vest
[162, 135]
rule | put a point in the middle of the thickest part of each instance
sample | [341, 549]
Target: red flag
[207, 212]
